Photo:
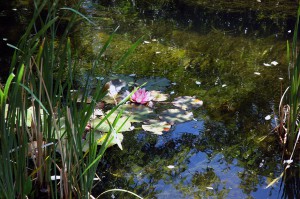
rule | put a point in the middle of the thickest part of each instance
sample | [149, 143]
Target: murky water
[220, 155]
[225, 58]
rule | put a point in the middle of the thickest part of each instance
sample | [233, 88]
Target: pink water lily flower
[141, 96]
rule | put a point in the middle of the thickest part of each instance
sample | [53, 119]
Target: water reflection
[221, 154]
[229, 151]
[13, 19]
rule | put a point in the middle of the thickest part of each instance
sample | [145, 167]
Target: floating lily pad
[30, 115]
[122, 125]
[158, 96]
[176, 116]
[137, 113]
[128, 79]
[61, 123]
[187, 102]
[100, 137]
[115, 86]
[154, 83]
[156, 126]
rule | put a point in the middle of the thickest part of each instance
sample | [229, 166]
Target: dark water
[13, 19]
[222, 154]
[228, 150]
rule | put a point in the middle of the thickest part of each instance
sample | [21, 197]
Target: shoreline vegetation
[43, 130]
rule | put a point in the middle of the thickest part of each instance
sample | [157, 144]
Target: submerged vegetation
[44, 130]
[200, 126]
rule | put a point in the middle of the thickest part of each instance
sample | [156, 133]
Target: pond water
[221, 57]
[233, 59]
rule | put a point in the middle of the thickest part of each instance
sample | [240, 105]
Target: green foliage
[39, 117]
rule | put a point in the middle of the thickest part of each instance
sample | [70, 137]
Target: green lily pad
[100, 137]
[126, 78]
[156, 126]
[29, 115]
[123, 124]
[158, 96]
[137, 113]
[154, 83]
[173, 116]
[115, 86]
[61, 123]
[187, 102]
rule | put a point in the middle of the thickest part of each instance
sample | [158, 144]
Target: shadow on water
[228, 150]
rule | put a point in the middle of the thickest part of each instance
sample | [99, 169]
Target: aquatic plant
[288, 128]
[43, 130]
[141, 96]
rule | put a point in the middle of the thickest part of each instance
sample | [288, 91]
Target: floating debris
[171, 166]
[266, 64]
[268, 117]
[146, 42]
[198, 83]
[257, 73]
[274, 63]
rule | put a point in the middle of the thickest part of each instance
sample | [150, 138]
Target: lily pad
[173, 116]
[123, 124]
[154, 83]
[99, 137]
[187, 102]
[128, 79]
[158, 96]
[30, 115]
[115, 86]
[156, 126]
[137, 113]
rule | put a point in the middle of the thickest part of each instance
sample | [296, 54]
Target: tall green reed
[293, 126]
[45, 68]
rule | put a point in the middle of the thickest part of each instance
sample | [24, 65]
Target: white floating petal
[147, 42]
[274, 63]
[280, 78]
[268, 117]
[157, 52]
[210, 188]
[266, 64]
[172, 92]
[171, 166]
[224, 85]
[289, 31]
[287, 161]
[198, 83]
[132, 128]
[132, 75]
[256, 73]
[55, 177]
